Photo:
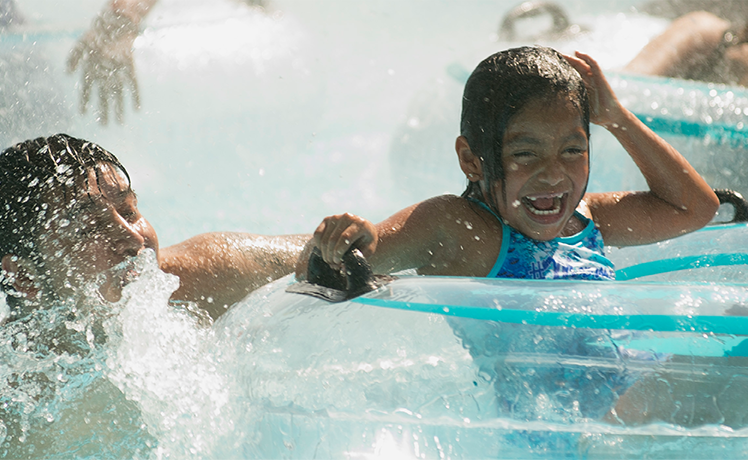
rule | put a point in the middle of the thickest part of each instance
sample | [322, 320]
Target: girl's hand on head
[336, 234]
[605, 109]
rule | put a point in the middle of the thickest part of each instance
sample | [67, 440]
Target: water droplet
[516, 203]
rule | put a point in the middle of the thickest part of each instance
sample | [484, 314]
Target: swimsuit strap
[505, 238]
[485, 206]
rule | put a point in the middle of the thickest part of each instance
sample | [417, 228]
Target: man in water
[70, 234]
[70, 218]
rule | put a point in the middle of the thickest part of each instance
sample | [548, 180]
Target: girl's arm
[417, 237]
[678, 201]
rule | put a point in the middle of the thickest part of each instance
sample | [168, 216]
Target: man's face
[95, 228]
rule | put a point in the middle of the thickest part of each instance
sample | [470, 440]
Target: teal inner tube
[731, 325]
[657, 267]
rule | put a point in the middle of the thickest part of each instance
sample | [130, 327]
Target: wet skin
[92, 233]
[546, 167]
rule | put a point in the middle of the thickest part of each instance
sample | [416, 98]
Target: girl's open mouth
[544, 206]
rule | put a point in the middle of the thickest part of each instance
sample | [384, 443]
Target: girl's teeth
[554, 209]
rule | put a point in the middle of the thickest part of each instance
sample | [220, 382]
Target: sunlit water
[265, 122]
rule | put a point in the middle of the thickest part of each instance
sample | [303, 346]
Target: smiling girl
[524, 148]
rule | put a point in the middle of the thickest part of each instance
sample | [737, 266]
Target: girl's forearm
[669, 176]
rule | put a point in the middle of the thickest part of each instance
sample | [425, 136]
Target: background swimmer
[104, 55]
[697, 46]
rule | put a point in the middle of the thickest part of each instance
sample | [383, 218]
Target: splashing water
[146, 378]
[132, 379]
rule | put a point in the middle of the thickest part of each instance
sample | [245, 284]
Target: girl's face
[545, 158]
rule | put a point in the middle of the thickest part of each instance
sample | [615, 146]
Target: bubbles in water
[100, 357]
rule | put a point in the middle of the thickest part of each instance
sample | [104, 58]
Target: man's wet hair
[499, 88]
[30, 172]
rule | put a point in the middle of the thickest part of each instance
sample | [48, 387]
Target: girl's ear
[469, 162]
[20, 274]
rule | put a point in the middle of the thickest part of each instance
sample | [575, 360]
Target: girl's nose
[552, 173]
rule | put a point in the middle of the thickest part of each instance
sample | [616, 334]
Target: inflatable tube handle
[738, 203]
[529, 10]
[354, 279]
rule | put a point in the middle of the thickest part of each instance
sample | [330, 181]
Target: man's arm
[217, 270]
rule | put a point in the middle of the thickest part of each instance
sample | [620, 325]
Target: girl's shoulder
[458, 210]
[469, 237]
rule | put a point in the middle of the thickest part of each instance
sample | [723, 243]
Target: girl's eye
[574, 152]
[522, 157]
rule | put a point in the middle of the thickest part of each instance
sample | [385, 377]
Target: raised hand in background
[104, 55]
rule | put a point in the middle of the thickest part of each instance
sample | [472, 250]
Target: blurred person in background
[697, 46]
[104, 55]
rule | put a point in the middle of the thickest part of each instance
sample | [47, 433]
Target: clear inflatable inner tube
[508, 368]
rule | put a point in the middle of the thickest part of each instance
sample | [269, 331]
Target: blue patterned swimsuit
[569, 391]
[576, 257]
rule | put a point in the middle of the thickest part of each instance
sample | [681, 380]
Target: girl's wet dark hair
[499, 88]
[29, 172]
